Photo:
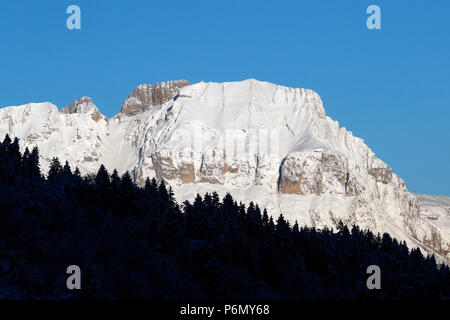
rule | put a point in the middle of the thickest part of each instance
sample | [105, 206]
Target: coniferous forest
[138, 243]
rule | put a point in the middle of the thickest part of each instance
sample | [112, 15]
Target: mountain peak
[259, 141]
[146, 95]
[84, 105]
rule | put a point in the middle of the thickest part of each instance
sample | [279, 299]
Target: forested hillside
[138, 243]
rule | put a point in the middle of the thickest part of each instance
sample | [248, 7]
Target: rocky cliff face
[436, 210]
[317, 173]
[259, 141]
[147, 95]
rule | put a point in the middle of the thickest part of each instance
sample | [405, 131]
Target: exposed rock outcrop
[83, 105]
[147, 95]
[317, 173]
[383, 175]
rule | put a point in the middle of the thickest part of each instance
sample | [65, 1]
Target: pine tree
[147, 185]
[55, 169]
[25, 165]
[127, 182]
[171, 196]
[126, 194]
[162, 192]
[6, 142]
[265, 219]
[77, 173]
[67, 171]
[102, 178]
[295, 228]
[35, 170]
[271, 225]
[282, 225]
[115, 180]
[16, 156]
[215, 199]
[4, 166]
[26, 155]
[386, 243]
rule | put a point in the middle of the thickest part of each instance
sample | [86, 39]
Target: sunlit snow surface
[437, 210]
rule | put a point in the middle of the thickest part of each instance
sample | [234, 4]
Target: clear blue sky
[389, 86]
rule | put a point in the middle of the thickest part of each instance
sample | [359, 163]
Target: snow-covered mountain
[261, 142]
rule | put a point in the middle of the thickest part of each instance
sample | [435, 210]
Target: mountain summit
[259, 141]
[83, 105]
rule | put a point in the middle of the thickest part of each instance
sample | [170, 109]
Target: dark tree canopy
[138, 243]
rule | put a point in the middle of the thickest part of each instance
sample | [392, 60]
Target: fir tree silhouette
[139, 243]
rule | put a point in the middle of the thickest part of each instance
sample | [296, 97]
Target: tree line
[136, 242]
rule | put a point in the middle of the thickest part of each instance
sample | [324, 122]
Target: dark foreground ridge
[138, 243]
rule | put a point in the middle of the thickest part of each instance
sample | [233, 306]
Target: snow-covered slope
[262, 142]
[436, 209]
